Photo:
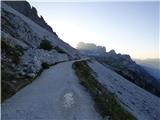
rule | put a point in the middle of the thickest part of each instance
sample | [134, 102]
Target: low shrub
[13, 53]
[45, 66]
[7, 91]
[46, 45]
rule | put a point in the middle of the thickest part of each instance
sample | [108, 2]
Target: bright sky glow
[127, 27]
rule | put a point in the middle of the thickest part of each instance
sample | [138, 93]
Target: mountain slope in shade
[153, 71]
[139, 102]
[57, 93]
[152, 66]
[126, 67]
[24, 8]
[27, 49]
[153, 63]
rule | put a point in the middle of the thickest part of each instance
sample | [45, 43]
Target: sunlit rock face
[91, 49]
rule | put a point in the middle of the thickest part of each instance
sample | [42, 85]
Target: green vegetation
[6, 86]
[10, 84]
[105, 101]
[9, 80]
[13, 53]
[9, 88]
[46, 45]
[45, 66]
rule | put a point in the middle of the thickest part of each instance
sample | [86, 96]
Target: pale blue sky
[127, 27]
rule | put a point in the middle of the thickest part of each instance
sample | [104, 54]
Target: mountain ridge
[30, 12]
[126, 67]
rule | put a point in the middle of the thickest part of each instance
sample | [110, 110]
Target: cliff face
[24, 8]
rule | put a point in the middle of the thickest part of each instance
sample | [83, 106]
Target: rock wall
[30, 12]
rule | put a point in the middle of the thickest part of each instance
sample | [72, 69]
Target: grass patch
[105, 101]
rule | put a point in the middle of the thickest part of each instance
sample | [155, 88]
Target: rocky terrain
[30, 12]
[27, 48]
[43, 78]
[125, 66]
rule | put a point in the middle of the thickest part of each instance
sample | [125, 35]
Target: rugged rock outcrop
[30, 12]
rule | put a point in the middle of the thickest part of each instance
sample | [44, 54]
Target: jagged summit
[29, 11]
[112, 52]
[91, 48]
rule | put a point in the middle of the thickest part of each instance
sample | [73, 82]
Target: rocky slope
[125, 66]
[24, 8]
[142, 104]
[74, 88]
[27, 48]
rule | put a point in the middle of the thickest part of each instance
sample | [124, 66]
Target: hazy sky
[127, 27]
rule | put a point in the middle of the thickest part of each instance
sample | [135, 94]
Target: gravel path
[55, 95]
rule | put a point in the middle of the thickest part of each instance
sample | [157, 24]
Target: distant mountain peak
[112, 52]
[91, 48]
